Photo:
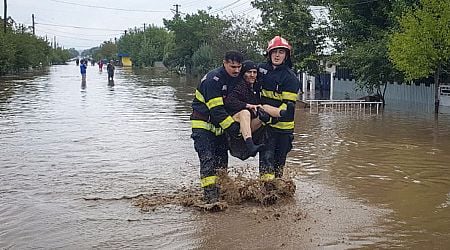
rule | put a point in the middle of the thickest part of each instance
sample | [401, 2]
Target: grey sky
[83, 24]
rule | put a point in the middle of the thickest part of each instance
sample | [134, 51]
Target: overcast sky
[83, 24]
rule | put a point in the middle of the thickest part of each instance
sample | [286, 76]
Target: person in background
[210, 121]
[83, 70]
[279, 88]
[110, 68]
[100, 65]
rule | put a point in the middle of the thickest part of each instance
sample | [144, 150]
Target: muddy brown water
[75, 160]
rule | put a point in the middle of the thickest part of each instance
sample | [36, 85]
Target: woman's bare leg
[243, 117]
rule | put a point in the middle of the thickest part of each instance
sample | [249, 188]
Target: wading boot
[211, 194]
[252, 148]
[270, 195]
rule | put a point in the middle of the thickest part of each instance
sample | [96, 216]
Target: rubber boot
[211, 194]
[289, 111]
[252, 148]
[270, 195]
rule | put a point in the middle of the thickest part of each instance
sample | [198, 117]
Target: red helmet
[278, 42]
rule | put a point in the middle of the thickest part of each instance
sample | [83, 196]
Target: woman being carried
[243, 105]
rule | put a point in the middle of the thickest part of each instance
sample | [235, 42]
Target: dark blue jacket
[278, 86]
[83, 68]
[208, 106]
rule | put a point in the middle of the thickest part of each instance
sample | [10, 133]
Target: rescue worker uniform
[209, 121]
[279, 87]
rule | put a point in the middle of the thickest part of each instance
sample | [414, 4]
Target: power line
[224, 7]
[78, 38]
[77, 27]
[78, 34]
[108, 8]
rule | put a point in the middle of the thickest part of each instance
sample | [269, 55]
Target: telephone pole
[177, 14]
[32, 19]
[5, 18]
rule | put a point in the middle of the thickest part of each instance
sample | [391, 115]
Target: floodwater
[74, 155]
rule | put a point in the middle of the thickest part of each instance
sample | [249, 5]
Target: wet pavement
[75, 160]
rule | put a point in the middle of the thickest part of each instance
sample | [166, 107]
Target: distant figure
[110, 68]
[77, 61]
[83, 70]
[100, 65]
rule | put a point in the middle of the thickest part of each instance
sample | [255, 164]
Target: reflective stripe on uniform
[267, 177]
[283, 125]
[227, 122]
[283, 106]
[289, 96]
[207, 126]
[199, 96]
[218, 101]
[209, 180]
[271, 94]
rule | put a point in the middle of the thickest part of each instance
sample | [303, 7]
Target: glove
[234, 130]
[289, 111]
[262, 115]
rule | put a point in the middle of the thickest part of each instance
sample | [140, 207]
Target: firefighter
[210, 121]
[279, 88]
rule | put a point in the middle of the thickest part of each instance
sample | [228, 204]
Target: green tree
[241, 35]
[73, 52]
[359, 31]
[421, 48]
[145, 47]
[292, 20]
[108, 49]
[202, 60]
[7, 53]
[190, 33]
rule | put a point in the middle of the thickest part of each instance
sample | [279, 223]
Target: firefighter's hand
[252, 107]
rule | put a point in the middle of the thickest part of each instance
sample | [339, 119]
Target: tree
[292, 20]
[422, 46]
[190, 33]
[243, 32]
[145, 47]
[360, 34]
[108, 50]
[202, 60]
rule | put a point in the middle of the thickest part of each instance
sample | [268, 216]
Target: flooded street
[73, 157]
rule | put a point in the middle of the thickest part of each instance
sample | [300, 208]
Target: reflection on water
[380, 179]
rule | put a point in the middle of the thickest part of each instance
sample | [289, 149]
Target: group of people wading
[110, 68]
[245, 108]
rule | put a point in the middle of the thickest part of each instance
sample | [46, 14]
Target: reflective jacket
[208, 109]
[277, 87]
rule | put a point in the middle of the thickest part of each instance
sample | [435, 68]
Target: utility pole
[32, 20]
[5, 18]
[176, 10]
[145, 39]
